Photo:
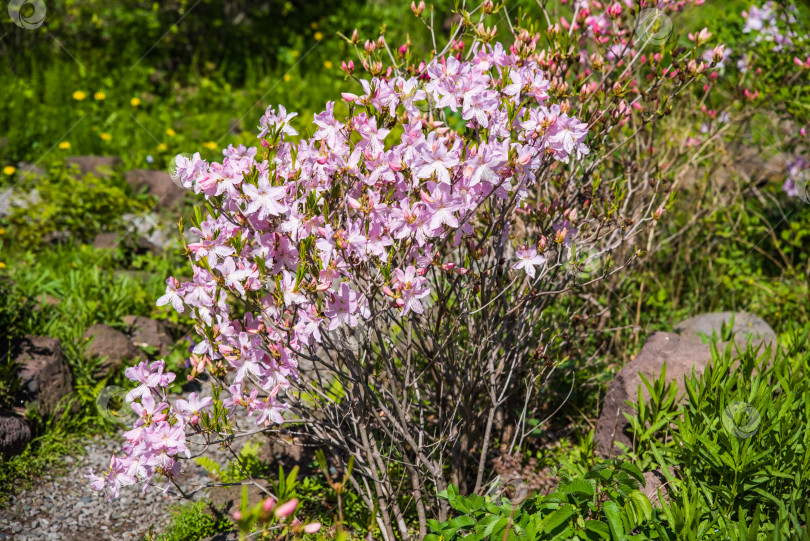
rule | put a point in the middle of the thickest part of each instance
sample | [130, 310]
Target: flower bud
[287, 508]
[312, 527]
[718, 53]
[403, 49]
[268, 505]
[417, 10]
[355, 38]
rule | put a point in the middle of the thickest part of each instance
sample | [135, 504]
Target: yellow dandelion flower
[2, 265]
[318, 36]
[9, 170]
[99, 96]
[170, 132]
[327, 65]
[210, 145]
[64, 145]
[2, 231]
[295, 54]
[106, 136]
[79, 95]
[162, 147]
[287, 78]
[313, 25]
[135, 102]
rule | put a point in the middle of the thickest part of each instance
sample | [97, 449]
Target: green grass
[192, 522]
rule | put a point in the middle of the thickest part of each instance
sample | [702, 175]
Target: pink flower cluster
[159, 434]
[320, 232]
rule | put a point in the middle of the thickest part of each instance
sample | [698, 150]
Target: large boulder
[745, 326]
[100, 166]
[112, 347]
[45, 378]
[14, 433]
[158, 184]
[144, 331]
[682, 354]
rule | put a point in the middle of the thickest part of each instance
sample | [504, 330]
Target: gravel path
[66, 508]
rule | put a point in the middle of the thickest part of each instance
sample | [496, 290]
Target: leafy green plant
[739, 448]
[605, 503]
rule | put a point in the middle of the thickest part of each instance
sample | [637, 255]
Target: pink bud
[286, 509]
[421, 271]
[312, 527]
[448, 266]
[400, 302]
[237, 515]
[403, 49]
[348, 97]
[461, 271]
[268, 505]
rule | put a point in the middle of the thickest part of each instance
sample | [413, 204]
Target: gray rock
[681, 354]
[112, 347]
[100, 166]
[158, 184]
[25, 169]
[149, 332]
[44, 374]
[106, 241]
[14, 433]
[745, 325]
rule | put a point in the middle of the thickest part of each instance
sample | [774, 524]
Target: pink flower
[528, 259]
[412, 288]
[190, 409]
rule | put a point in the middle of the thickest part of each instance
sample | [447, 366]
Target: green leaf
[577, 486]
[599, 528]
[614, 518]
[558, 517]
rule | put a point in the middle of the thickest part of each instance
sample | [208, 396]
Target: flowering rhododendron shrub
[385, 279]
